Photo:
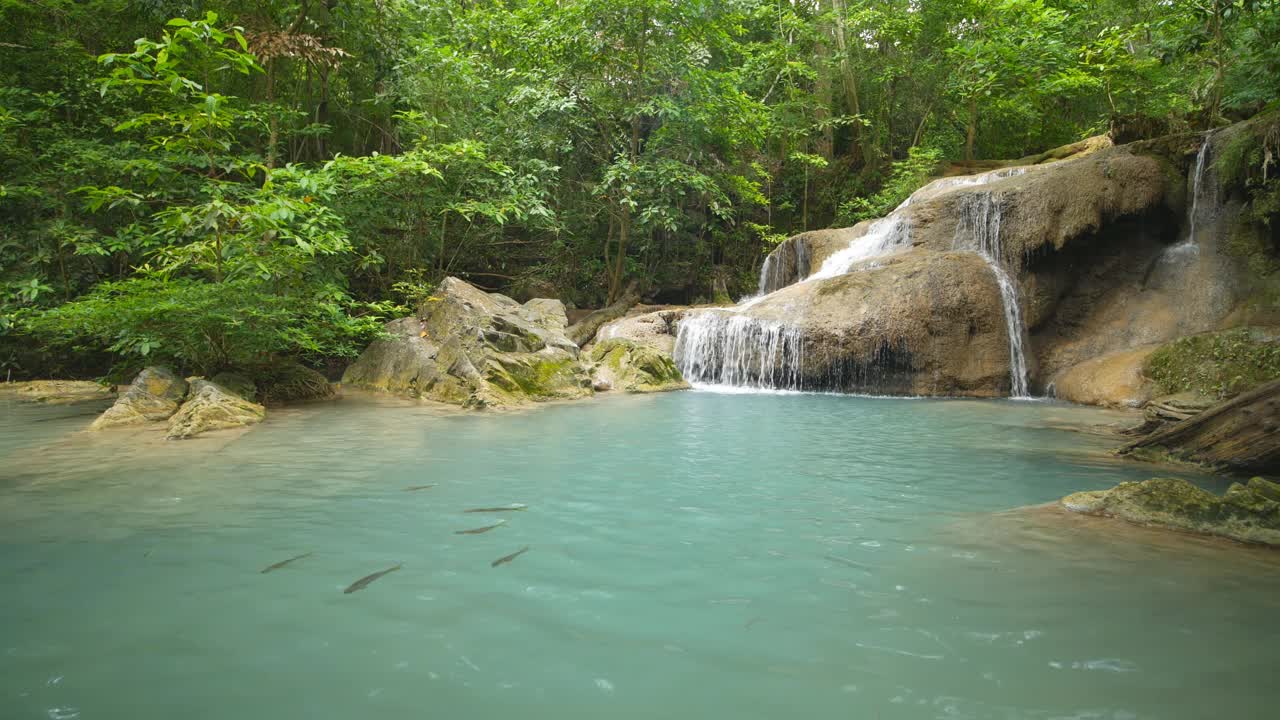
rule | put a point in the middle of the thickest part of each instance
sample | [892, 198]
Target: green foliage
[1219, 365]
[205, 326]
[352, 150]
[905, 177]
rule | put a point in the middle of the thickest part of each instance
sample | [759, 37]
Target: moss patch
[1219, 365]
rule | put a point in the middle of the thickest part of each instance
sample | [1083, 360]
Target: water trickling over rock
[979, 231]
[789, 260]
[735, 347]
[727, 347]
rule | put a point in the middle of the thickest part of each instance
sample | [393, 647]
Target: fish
[282, 563]
[419, 487]
[508, 558]
[505, 508]
[363, 582]
[850, 563]
[477, 531]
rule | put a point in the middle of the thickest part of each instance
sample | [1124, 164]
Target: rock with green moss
[289, 383]
[154, 395]
[634, 367]
[475, 349]
[1217, 364]
[237, 383]
[1247, 512]
[58, 392]
[211, 406]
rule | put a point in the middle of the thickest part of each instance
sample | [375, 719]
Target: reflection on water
[690, 555]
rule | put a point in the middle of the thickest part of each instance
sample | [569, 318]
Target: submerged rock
[153, 396]
[475, 349]
[211, 406]
[634, 367]
[1240, 434]
[1248, 513]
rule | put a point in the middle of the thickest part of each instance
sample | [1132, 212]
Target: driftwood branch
[583, 331]
[1242, 433]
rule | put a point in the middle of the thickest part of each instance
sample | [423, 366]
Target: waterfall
[728, 347]
[1197, 180]
[775, 274]
[881, 238]
[979, 232]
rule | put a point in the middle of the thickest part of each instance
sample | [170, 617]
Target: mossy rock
[1220, 365]
[475, 349]
[1248, 513]
[634, 367]
[291, 383]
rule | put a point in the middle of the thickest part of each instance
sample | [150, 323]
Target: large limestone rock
[1240, 434]
[210, 406]
[656, 329]
[1248, 513]
[915, 323]
[1113, 380]
[153, 396]
[475, 349]
[634, 367]
[57, 392]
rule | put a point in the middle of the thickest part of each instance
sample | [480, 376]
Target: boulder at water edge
[1248, 513]
[475, 349]
[633, 367]
[153, 396]
[58, 392]
[211, 406]
[915, 323]
[656, 329]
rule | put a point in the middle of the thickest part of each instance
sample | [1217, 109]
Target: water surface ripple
[693, 555]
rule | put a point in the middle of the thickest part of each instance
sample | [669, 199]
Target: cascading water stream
[979, 232]
[1197, 181]
[726, 347]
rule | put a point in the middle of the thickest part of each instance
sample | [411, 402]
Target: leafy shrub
[207, 327]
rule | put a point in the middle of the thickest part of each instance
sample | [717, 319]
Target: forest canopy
[229, 184]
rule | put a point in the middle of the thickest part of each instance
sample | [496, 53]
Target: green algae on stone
[634, 367]
[1221, 364]
[1248, 513]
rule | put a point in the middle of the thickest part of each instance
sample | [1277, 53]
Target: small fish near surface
[363, 582]
[282, 563]
[508, 558]
[419, 487]
[479, 530]
[505, 508]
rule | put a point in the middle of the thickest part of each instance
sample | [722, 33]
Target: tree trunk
[971, 133]
[1240, 434]
[584, 331]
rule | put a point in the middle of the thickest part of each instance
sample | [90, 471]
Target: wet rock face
[628, 366]
[1247, 512]
[916, 323]
[1113, 380]
[154, 395]
[211, 406]
[475, 349]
